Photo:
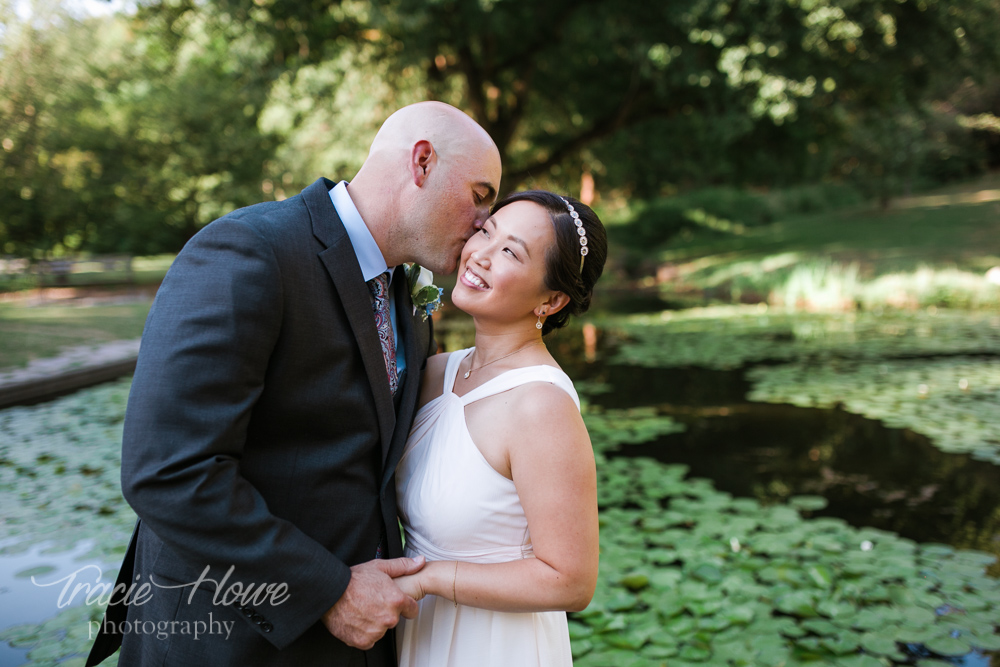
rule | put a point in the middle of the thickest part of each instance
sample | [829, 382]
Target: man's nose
[482, 215]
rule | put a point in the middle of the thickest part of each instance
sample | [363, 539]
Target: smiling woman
[497, 484]
[570, 252]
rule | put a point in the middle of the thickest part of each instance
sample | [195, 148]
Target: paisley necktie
[379, 286]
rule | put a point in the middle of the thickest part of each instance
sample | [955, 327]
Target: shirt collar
[369, 256]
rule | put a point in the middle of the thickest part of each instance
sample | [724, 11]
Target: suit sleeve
[201, 368]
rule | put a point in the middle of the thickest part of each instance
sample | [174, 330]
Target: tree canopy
[131, 132]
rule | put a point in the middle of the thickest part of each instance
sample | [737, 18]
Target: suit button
[256, 618]
[266, 627]
[247, 611]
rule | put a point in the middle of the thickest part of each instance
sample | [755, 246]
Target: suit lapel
[341, 263]
[416, 338]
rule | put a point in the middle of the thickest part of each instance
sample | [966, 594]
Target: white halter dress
[455, 506]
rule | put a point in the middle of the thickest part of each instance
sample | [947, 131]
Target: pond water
[871, 475]
[31, 583]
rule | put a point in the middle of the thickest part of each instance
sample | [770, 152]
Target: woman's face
[501, 274]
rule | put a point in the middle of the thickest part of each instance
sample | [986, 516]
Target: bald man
[276, 383]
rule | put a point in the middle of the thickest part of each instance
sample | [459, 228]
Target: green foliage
[643, 94]
[60, 467]
[953, 401]
[327, 114]
[726, 211]
[825, 285]
[43, 158]
[730, 337]
[687, 573]
[690, 575]
[927, 287]
[864, 363]
[65, 639]
[42, 331]
[933, 250]
[818, 286]
[613, 428]
[126, 134]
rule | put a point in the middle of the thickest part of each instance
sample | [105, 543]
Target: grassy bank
[145, 271]
[34, 332]
[934, 249]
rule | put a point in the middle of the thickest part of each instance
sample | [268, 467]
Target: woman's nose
[480, 257]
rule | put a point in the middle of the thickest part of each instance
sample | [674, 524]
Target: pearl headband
[579, 230]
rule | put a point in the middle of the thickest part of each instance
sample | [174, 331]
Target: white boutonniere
[426, 296]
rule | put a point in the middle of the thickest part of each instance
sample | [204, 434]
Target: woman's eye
[512, 254]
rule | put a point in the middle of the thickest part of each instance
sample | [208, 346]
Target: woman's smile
[471, 279]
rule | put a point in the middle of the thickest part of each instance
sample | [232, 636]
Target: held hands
[373, 601]
[435, 578]
[412, 585]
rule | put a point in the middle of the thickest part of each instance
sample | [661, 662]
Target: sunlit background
[791, 372]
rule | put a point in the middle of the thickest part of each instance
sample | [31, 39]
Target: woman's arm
[552, 465]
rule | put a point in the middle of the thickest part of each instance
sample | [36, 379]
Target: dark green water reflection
[872, 475]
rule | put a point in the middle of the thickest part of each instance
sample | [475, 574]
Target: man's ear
[423, 158]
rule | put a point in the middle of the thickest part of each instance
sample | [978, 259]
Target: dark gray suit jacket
[261, 434]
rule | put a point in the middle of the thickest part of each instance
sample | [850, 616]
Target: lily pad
[808, 503]
[860, 661]
[948, 646]
[635, 581]
[955, 420]
[841, 645]
[879, 644]
[35, 572]
[985, 642]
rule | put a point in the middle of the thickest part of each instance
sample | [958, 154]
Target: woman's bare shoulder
[542, 402]
[432, 381]
[539, 407]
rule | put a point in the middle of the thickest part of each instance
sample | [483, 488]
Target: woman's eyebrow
[521, 242]
[510, 237]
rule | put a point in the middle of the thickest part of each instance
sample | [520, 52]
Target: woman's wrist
[439, 578]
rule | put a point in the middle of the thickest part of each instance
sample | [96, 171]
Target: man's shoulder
[273, 220]
[278, 219]
[268, 212]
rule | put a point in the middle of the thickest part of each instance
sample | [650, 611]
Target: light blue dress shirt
[369, 256]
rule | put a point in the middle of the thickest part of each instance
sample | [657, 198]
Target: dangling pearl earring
[538, 324]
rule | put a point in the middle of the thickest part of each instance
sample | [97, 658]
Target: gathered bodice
[453, 504]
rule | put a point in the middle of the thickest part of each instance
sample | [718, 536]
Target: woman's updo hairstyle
[562, 261]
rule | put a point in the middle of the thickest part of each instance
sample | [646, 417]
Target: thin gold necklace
[469, 372]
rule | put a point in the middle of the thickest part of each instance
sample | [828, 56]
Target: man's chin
[446, 269]
[440, 264]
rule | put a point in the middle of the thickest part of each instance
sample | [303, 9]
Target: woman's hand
[430, 580]
[412, 585]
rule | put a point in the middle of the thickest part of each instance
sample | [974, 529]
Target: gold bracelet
[454, 583]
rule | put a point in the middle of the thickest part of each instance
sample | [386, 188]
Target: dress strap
[518, 376]
[451, 368]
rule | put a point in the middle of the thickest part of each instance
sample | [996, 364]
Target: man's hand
[372, 603]
[412, 585]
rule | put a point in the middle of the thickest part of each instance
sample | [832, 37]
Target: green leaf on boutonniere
[425, 295]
